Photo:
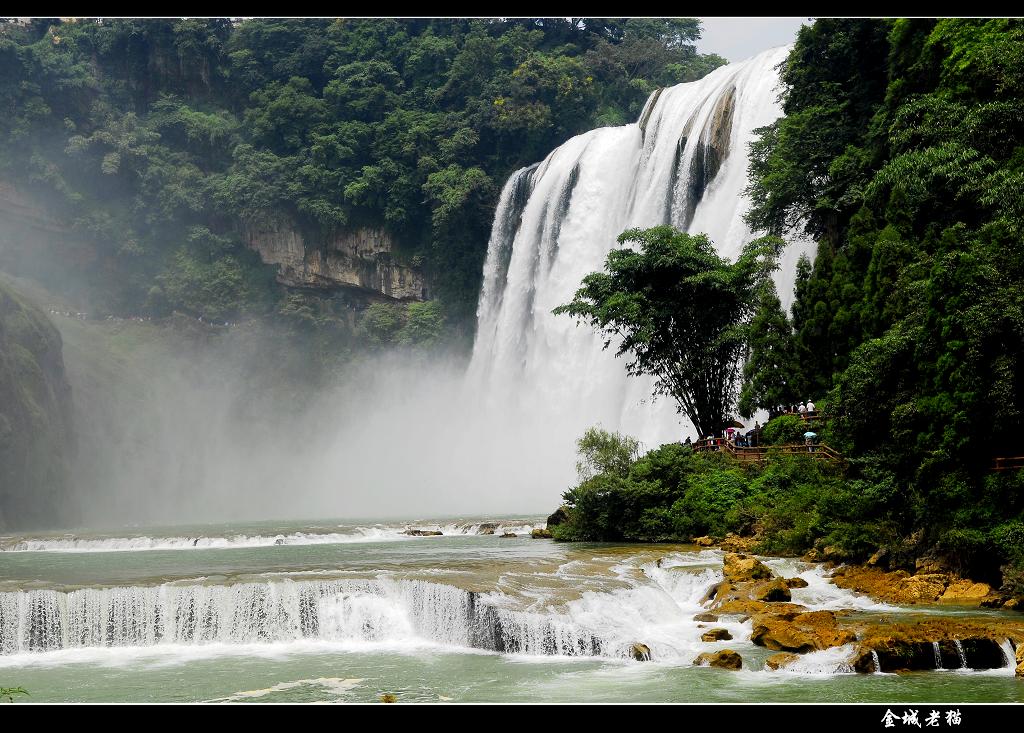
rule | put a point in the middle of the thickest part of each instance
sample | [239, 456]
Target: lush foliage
[675, 494]
[772, 372]
[902, 152]
[680, 311]
[161, 141]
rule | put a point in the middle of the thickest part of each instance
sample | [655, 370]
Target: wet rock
[931, 565]
[510, 535]
[1013, 603]
[560, 516]
[718, 590]
[780, 660]
[795, 583]
[706, 617]
[812, 556]
[704, 541]
[725, 659]
[801, 633]
[423, 532]
[964, 591]
[540, 533]
[485, 530]
[895, 587]
[864, 661]
[735, 543]
[748, 607]
[774, 591]
[879, 559]
[1020, 661]
[716, 635]
[388, 697]
[739, 567]
[640, 652]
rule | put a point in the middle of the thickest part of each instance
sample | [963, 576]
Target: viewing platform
[760, 454]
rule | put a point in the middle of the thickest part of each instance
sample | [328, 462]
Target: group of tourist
[804, 408]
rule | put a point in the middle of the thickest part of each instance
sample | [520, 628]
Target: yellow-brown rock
[964, 591]
[895, 587]
[640, 652]
[704, 541]
[780, 660]
[716, 635]
[748, 607]
[735, 543]
[725, 659]
[801, 633]
[738, 567]
[772, 591]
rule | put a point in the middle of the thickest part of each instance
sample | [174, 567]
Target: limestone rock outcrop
[361, 259]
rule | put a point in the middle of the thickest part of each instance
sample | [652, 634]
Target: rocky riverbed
[752, 591]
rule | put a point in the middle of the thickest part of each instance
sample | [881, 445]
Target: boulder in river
[540, 533]
[772, 591]
[800, 633]
[560, 516]
[423, 532]
[724, 659]
[780, 660]
[509, 535]
[706, 617]
[718, 634]
[738, 567]
[640, 652]
[795, 583]
[704, 541]
[964, 591]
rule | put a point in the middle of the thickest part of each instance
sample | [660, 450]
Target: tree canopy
[680, 312]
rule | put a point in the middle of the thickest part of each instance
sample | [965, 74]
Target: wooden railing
[1007, 463]
[759, 455]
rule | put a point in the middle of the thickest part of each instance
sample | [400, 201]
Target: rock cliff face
[360, 259]
[30, 235]
[35, 417]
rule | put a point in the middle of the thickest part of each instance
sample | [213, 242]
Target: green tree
[680, 311]
[602, 451]
[772, 372]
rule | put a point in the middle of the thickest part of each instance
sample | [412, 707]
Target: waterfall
[938, 654]
[683, 163]
[960, 653]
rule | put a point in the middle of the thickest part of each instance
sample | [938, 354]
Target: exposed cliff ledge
[35, 417]
[360, 258]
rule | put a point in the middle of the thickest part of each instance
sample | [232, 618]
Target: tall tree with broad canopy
[680, 312]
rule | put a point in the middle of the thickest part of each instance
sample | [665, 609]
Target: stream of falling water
[683, 163]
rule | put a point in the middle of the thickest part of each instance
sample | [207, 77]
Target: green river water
[345, 612]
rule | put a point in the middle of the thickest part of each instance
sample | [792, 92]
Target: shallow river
[336, 611]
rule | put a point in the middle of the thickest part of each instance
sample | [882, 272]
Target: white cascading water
[683, 163]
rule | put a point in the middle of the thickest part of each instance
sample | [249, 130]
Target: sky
[739, 38]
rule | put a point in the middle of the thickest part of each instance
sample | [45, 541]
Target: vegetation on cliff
[35, 416]
[902, 152]
[159, 140]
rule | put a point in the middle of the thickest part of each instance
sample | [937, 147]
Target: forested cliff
[302, 168]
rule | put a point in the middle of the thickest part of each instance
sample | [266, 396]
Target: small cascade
[877, 661]
[938, 655]
[1009, 655]
[960, 653]
[381, 610]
